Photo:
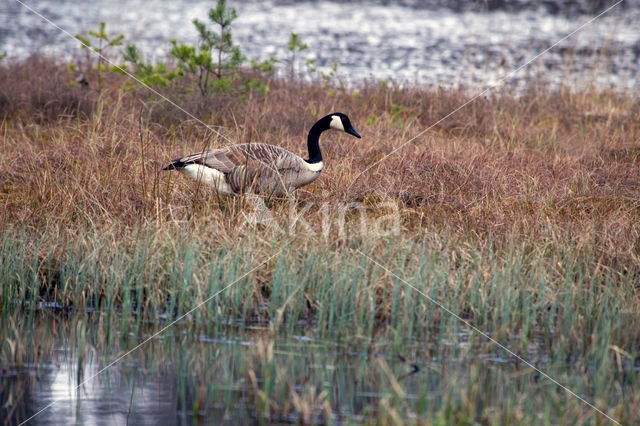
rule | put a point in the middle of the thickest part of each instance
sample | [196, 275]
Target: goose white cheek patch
[336, 123]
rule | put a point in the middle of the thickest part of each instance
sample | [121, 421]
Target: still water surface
[226, 374]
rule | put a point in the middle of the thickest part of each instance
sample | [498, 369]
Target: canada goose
[261, 168]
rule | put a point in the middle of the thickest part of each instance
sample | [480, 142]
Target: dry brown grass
[541, 167]
[540, 177]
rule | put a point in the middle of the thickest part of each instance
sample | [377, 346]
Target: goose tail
[175, 165]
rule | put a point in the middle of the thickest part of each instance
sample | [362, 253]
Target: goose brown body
[252, 167]
[261, 168]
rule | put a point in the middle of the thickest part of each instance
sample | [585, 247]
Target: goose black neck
[313, 142]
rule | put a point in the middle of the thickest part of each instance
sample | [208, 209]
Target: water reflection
[123, 395]
[246, 374]
[228, 375]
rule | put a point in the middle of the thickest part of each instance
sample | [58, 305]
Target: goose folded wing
[261, 155]
[215, 158]
[253, 157]
[261, 152]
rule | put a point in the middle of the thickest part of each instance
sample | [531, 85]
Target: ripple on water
[416, 44]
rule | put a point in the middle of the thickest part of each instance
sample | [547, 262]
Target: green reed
[160, 277]
[254, 373]
[556, 306]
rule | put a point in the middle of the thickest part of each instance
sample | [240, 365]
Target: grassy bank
[539, 166]
[518, 213]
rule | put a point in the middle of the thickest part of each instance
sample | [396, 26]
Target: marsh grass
[576, 319]
[254, 373]
[519, 213]
[524, 167]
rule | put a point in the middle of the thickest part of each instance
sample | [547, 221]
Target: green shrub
[215, 55]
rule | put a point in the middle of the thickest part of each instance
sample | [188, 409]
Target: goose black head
[340, 121]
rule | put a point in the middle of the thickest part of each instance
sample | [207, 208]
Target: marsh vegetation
[519, 214]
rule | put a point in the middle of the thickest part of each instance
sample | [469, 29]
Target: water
[356, 358]
[224, 376]
[417, 42]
